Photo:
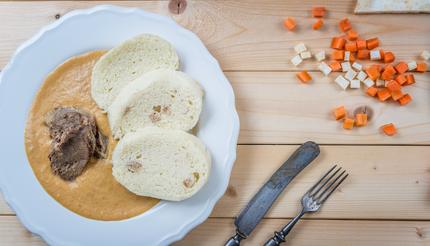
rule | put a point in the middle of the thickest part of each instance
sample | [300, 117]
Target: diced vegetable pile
[383, 80]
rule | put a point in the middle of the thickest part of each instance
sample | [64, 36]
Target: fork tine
[319, 181]
[329, 186]
[325, 182]
[334, 188]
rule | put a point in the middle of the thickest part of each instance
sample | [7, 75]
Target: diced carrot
[372, 43]
[383, 94]
[290, 23]
[339, 112]
[401, 79]
[335, 66]
[352, 34]
[405, 99]
[382, 54]
[389, 57]
[361, 44]
[348, 123]
[318, 24]
[337, 55]
[361, 119]
[363, 54]
[421, 67]
[372, 72]
[345, 25]
[401, 67]
[318, 11]
[351, 46]
[304, 76]
[410, 79]
[338, 43]
[352, 57]
[396, 95]
[389, 129]
[392, 85]
[388, 72]
[377, 67]
[371, 91]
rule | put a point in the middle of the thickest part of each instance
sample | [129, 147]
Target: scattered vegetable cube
[389, 57]
[392, 85]
[363, 54]
[300, 47]
[355, 84]
[412, 65]
[388, 72]
[368, 82]
[346, 66]
[361, 76]
[372, 43]
[338, 43]
[357, 66]
[337, 54]
[342, 82]
[372, 91]
[405, 99]
[346, 55]
[306, 55]
[324, 68]
[351, 46]
[401, 79]
[421, 67]
[401, 67]
[345, 25]
[348, 123]
[318, 24]
[296, 60]
[335, 66]
[361, 44]
[361, 119]
[352, 35]
[318, 11]
[339, 112]
[375, 55]
[425, 55]
[304, 76]
[320, 56]
[380, 83]
[373, 73]
[350, 75]
[290, 23]
[383, 94]
[389, 129]
[410, 79]
[396, 95]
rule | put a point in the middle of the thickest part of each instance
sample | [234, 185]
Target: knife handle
[235, 240]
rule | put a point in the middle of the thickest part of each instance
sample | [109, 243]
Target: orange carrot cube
[401, 79]
[338, 43]
[363, 54]
[410, 79]
[401, 67]
[371, 91]
[318, 11]
[389, 129]
[372, 43]
[396, 95]
[372, 72]
[348, 123]
[421, 67]
[389, 57]
[352, 34]
[392, 85]
[339, 112]
[335, 66]
[351, 46]
[361, 119]
[388, 72]
[337, 55]
[361, 44]
[318, 24]
[383, 94]
[405, 99]
[304, 76]
[345, 25]
[290, 23]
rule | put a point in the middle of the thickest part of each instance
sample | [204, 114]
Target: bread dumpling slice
[166, 164]
[162, 98]
[128, 61]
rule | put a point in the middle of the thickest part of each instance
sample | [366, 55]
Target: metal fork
[312, 200]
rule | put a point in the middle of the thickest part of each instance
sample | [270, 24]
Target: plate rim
[186, 227]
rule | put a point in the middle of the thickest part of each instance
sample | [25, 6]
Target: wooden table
[386, 200]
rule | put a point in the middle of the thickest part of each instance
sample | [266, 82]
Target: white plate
[103, 27]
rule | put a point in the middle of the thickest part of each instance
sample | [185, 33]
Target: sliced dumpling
[162, 98]
[161, 163]
[128, 61]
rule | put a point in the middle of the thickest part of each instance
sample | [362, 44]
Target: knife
[255, 210]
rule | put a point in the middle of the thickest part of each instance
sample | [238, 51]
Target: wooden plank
[318, 232]
[276, 108]
[243, 35]
[216, 231]
[385, 182]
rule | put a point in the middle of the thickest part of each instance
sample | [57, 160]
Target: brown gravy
[94, 194]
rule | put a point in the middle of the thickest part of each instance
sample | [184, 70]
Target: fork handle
[279, 237]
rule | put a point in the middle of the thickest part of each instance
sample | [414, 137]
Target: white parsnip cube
[346, 66]
[299, 48]
[368, 82]
[342, 82]
[324, 68]
[361, 76]
[412, 65]
[346, 56]
[355, 84]
[357, 66]
[425, 55]
[296, 60]
[375, 55]
[306, 55]
[320, 56]
[380, 83]
[350, 75]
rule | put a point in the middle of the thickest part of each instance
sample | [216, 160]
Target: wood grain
[319, 232]
[275, 108]
[242, 35]
[384, 183]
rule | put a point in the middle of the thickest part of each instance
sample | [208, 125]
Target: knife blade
[258, 206]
